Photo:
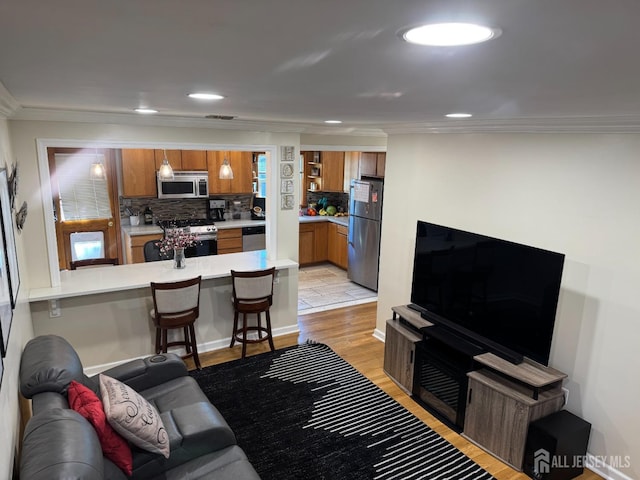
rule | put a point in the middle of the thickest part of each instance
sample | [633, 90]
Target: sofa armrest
[60, 443]
[148, 372]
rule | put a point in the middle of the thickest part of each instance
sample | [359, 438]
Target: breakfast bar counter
[104, 312]
[74, 283]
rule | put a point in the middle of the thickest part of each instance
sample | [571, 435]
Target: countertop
[88, 281]
[156, 230]
[325, 218]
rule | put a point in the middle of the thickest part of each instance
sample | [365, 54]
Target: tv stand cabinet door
[400, 354]
[496, 422]
[498, 415]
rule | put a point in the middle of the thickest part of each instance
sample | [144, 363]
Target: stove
[204, 228]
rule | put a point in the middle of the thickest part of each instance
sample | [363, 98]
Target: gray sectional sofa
[59, 443]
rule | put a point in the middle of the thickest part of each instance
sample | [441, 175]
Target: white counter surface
[156, 230]
[139, 275]
[325, 218]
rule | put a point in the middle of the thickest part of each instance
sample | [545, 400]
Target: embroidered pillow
[84, 401]
[133, 417]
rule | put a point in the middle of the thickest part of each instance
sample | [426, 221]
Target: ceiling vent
[220, 117]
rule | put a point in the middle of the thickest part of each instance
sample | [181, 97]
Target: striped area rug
[303, 412]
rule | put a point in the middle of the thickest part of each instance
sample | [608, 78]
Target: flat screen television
[499, 294]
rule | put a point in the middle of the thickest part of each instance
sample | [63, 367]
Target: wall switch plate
[566, 395]
[276, 277]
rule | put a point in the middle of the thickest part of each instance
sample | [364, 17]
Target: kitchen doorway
[85, 206]
[326, 287]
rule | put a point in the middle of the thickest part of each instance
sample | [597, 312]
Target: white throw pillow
[133, 417]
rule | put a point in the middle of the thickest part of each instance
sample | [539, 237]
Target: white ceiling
[295, 63]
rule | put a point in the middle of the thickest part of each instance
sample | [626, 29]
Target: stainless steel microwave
[184, 185]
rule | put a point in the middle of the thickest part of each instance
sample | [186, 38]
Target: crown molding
[574, 124]
[53, 115]
[8, 105]
[559, 124]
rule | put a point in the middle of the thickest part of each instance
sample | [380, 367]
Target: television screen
[498, 290]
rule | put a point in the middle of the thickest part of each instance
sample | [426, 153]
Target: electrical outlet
[127, 202]
[566, 395]
[54, 308]
[276, 277]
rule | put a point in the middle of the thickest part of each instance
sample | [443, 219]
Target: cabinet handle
[469, 399]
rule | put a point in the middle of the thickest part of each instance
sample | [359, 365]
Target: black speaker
[556, 447]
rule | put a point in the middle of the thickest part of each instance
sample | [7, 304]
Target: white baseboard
[598, 465]
[379, 334]
[202, 348]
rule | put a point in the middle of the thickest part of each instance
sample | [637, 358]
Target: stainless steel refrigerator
[365, 215]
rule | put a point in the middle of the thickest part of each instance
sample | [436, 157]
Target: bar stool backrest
[176, 303]
[253, 286]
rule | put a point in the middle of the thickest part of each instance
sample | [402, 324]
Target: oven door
[205, 246]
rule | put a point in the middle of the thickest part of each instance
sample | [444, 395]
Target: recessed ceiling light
[450, 34]
[206, 96]
[458, 115]
[333, 121]
[146, 111]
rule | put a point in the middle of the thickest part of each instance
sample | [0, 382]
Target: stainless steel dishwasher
[253, 238]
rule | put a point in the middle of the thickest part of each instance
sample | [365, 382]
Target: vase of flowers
[174, 242]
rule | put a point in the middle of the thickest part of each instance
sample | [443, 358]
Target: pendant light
[225, 171]
[165, 172]
[97, 170]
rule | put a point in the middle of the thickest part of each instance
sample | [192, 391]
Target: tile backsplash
[164, 209]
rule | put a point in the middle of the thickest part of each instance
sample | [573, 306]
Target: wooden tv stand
[502, 399]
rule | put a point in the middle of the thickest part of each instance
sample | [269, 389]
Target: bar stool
[177, 305]
[252, 293]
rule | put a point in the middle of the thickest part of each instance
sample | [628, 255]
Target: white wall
[21, 331]
[571, 193]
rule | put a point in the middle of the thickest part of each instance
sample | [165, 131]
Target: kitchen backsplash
[337, 199]
[164, 209]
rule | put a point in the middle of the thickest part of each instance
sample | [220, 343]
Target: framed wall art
[11, 256]
[6, 312]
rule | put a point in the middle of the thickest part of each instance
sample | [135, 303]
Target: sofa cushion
[133, 417]
[227, 464]
[86, 403]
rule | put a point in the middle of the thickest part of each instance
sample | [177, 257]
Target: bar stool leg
[269, 336]
[259, 326]
[194, 347]
[244, 335]
[158, 332]
[235, 328]
[164, 340]
[188, 341]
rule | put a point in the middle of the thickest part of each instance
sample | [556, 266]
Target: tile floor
[325, 287]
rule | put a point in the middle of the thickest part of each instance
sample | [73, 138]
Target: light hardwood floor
[348, 331]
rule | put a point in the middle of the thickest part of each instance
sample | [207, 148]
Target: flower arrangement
[176, 238]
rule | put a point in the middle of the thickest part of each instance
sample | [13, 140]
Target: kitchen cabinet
[337, 252]
[138, 173]
[312, 173]
[240, 162]
[332, 171]
[134, 246]
[173, 156]
[229, 240]
[313, 243]
[372, 164]
[194, 160]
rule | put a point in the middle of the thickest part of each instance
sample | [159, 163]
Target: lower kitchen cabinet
[134, 246]
[337, 245]
[313, 243]
[229, 240]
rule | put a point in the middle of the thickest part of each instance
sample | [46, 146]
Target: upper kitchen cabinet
[359, 164]
[332, 171]
[372, 164]
[240, 162]
[174, 157]
[138, 173]
[194, 160]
